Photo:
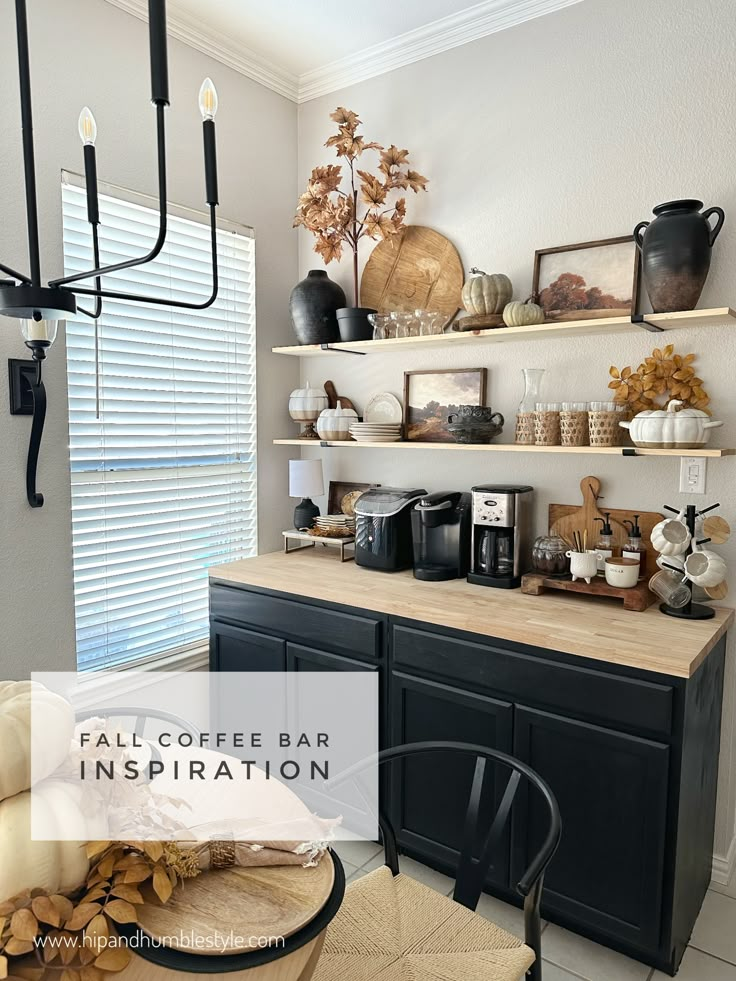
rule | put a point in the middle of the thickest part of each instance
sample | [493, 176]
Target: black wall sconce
[39, 308]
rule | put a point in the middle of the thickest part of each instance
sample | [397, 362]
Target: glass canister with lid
[549, 556]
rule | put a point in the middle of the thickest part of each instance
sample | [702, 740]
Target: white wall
[88, 52]
[564, 129]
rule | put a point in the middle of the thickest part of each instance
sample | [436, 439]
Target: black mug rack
[691, 611]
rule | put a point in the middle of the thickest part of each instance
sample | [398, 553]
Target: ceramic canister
[623, 573]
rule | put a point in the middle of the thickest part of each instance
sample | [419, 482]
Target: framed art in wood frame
[431, 396]
[588, 280]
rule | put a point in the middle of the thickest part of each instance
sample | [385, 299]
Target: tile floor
[711, 955]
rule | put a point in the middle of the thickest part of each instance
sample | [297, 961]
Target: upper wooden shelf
[505, 448]
[568, 328]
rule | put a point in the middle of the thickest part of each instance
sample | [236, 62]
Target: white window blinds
[162, 428]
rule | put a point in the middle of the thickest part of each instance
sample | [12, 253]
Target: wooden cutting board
[416, 269]
[564, 519]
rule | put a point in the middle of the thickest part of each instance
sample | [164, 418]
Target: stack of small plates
[376, 432]
[341, 525]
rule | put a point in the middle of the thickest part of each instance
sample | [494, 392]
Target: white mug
[583, 565]
[705, 568]
[670, 537]
[623, 573]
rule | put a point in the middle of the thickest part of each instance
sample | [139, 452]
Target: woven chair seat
[396, 929]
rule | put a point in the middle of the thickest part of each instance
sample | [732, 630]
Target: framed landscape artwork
[430, 397]
[343, 494]
[587, 281]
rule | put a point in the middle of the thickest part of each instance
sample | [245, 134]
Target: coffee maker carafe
[500, 536]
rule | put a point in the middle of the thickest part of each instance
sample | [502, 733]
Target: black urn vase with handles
[312, 306]
[675, 250]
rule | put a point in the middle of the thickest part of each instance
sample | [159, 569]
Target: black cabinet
[429, 794]
[238, 649]
[631, 755]
[612, 791]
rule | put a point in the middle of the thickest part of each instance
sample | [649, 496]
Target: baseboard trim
[723, 878]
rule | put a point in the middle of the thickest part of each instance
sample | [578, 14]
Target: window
[162, 429]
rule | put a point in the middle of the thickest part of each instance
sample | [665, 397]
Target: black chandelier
[39, 307]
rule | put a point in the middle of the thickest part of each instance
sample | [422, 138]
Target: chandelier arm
[21, 277]
[35, 499]
[94, 314]
[29, 163]
[160, 301]
[130, 263]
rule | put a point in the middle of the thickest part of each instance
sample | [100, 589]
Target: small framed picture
[587, 281]
[431, 396]
[343, 494]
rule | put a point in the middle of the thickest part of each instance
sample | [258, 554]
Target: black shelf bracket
[639, 320]
[342, 350]
[629, 451]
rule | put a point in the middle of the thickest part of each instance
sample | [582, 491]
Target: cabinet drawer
[236, 649]
[579, 691]
[325, 628]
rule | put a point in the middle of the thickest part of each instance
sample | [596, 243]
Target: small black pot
[675, 251]
[354, 323]
[312, 306]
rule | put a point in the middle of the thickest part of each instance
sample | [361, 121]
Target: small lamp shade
[305, 478]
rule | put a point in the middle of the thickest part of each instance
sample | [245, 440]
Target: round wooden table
[243, 906]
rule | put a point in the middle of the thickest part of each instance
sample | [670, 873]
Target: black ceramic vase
[675, 250]
[312, 306]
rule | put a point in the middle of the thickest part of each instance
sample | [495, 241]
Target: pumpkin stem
[475, 271]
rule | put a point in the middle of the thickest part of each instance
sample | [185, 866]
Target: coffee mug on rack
[705, 568]
[671, 536]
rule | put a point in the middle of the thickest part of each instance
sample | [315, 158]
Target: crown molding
[221, 48]
[474, 22]
[467, 25]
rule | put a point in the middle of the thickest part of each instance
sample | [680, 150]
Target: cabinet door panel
[236, 649]
[612, 792]
[429, 794]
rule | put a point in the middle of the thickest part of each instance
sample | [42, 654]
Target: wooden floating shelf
[503, 448]
[568, 328]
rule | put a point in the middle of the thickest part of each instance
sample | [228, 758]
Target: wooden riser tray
[638, 598]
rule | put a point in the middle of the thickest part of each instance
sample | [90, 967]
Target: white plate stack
[376, 432]
[341, 525]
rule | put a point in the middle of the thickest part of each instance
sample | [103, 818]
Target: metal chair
[478, 848]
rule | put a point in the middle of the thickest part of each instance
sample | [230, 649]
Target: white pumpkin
[56, 866]
[305, 404]
[484, 294]
[50, 738]
[672, 428]
[518, 314]
[334, 424]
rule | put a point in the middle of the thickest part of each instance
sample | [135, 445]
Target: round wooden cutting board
[255, 902]
[416, 269]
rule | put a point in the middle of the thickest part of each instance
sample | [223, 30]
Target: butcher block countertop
[595, 628]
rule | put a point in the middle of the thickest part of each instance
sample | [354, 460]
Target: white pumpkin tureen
[334, 424]
[305, 405]
[673, 428]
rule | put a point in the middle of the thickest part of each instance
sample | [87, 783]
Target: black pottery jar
[675, 251]
[312, 306]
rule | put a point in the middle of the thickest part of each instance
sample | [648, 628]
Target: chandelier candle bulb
[159, 55]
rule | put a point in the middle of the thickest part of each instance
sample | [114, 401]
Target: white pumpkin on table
[50, 741]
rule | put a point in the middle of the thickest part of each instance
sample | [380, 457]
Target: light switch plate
[692, 474]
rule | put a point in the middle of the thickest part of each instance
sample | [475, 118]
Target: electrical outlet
[692, 474]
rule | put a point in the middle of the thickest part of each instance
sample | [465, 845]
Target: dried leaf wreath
[661, 377]
[77, 932]
[340, 219]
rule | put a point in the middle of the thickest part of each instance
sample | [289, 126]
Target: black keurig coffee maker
[500, 537]
[440, 526]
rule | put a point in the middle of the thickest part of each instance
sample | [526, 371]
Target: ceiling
[307, 48]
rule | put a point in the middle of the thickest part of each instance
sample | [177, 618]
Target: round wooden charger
[258, 902]
[416, 269]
